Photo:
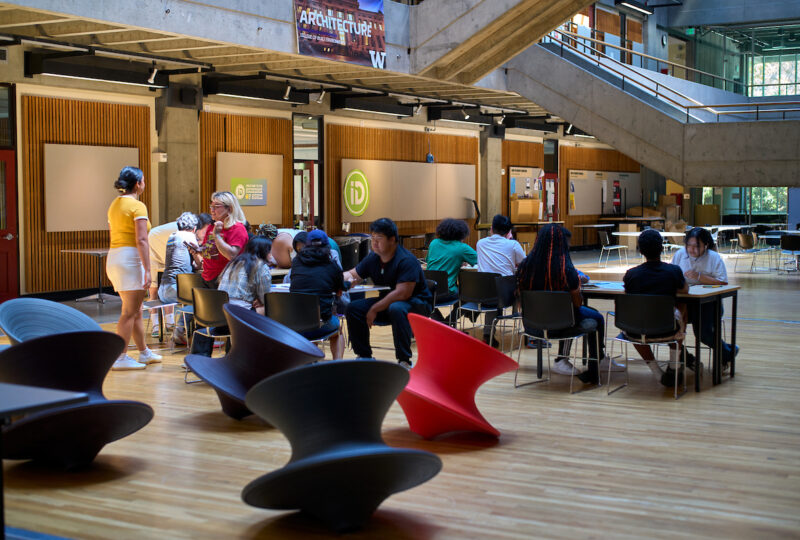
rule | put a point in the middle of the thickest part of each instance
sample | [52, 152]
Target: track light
[502, 119]
[569, 129]
[464, 112]
[418, 109]
[152, 78]
[321, 96]
[288, 91]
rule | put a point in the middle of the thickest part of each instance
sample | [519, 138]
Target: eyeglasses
[216, 205]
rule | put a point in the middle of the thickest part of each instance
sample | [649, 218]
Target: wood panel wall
[352, 142]
[592, 159]
[64, 121]
[223, 132]
[518, 154]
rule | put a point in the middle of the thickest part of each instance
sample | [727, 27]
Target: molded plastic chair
[260, 348]
[442, 287]
[607, 246]
[506, 298]
[647, 319]
[298, 311]
[184, 284]
[549, 315]
[747, 243]
[340, 470]
[477, 292]
[69, 436]
[451, 366]
[349, 257]
[23, 319]
[790, 246]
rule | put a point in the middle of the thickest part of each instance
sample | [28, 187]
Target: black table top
[18, 399]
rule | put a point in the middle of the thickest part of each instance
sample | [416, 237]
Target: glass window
[769, 200]
[772, 68]
[788, 75]
[6, 123]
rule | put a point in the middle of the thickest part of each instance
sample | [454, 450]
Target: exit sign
[690, 31]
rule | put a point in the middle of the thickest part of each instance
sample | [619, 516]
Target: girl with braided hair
[548, 267]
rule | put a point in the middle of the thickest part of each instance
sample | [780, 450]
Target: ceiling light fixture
[153, 72]
[464, 112]
[634, 5]
[321, 96]
[569, 129]
[418, 109]
[288, 92]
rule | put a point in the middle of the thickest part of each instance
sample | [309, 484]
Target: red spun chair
[451, 366]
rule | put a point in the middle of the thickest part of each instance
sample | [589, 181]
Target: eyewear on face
[216, 205]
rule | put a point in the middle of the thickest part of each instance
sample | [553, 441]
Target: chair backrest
[208, 306]
[746, 241]
[790, 242]
[506, 291]
[645, 314]
[185, 283]
[433, 287]
[349, 256]
[27, 318]
[547, 310]
[298, 311]
[442, 283]
[478, 287]
[604, 241]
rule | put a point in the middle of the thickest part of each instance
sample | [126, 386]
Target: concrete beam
[720, 12]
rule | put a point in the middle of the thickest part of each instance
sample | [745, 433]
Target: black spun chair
[340, 470]
[260, 348]
[506, 299]
[349, 257]
[477, 293]
[22, 319]
[70, 436]
[442, 288]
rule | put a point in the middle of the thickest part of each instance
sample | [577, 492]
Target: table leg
[734, 305]
[718, 340]
[539, 370]
[100, 280]
[697, 332]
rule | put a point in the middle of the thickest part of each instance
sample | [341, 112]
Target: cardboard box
[525, 210]
[526, 239]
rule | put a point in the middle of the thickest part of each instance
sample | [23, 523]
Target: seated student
[498, 253]
[246, 279]
[449, 253]
[701, 264]
[178, 260]
[548, 267]
[656, 277]
[392, 265]
[315, 272]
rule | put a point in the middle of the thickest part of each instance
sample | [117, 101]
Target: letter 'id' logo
[356, 192]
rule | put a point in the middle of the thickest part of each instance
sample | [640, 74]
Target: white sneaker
[155, 332]
[126, 363]
[564, 367]
[614, 365]
[149, 357]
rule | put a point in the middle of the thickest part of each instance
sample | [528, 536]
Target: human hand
[691, 274]
[371, 314]
[218, 227]
[146, 279]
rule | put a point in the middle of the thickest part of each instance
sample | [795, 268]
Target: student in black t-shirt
[314, 272]
[656, 277]
[392, 265]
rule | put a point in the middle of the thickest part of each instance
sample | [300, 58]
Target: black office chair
[550, 315]
[23, 319]
[647, 319]
[298, 311]
[184, 284]
[506, 299]
[477, 293]
[209, 317]
[349, 257]
[790, 246]
[442, 288]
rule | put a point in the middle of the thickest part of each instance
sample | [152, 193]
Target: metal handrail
[659, 60]
[659, 94]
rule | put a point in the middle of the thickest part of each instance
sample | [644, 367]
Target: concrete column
[179, 177]
[491, 179]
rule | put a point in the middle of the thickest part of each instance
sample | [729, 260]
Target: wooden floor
[723, 463]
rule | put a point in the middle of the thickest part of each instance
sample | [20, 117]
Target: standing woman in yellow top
[128, 265]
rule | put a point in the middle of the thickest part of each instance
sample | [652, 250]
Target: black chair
[340, 470]
[790, 246]
[69, 436]
[549, 315]
[260, 348]
[506, 299]
[349, 257]
[647, 319]
[364, 244]
[442, 288]
[22, 319]
[298, 311]
[184, 284]
[477, 293]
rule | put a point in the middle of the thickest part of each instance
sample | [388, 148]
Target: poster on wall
[256, 180]
[344, 30]
[250, 191]
[525, 182]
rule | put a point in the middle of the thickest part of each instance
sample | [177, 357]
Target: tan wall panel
[342, 142]
[65, 121]
[518, 154]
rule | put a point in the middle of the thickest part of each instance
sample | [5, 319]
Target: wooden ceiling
[229, 58]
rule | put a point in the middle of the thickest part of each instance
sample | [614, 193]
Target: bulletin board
[592, 191]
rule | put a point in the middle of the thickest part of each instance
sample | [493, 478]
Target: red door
[9, 242]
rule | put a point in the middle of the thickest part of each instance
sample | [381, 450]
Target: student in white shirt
[498, 253]
[701, 264]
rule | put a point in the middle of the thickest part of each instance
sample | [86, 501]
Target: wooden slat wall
[245, 134]
[634, 31]
[351, 142]
[64, 121]
[607, 22]
[518, 154]
[592, 159]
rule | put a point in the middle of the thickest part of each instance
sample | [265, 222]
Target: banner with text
[343, 30]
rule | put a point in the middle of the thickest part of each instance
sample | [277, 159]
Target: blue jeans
[396, 315]
[585, 313]
[707, 335]
[330, 326]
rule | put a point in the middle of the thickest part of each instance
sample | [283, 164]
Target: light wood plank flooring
[724, 463]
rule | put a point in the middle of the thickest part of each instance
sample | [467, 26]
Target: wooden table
[592, 226]
[158, 304]
[16, 399]
[694, 299]
[285, 287]
[99, 253]
[667, 234]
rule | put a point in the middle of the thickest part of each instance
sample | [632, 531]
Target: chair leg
[625, 359]
[519, 357]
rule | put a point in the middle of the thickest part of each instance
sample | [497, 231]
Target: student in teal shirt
[449, 253]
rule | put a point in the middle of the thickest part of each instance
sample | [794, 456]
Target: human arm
[229, 251]
[470, 255]
[143, 246]
[582, 277]
[351, 276]
[577, 297]
[401, 292]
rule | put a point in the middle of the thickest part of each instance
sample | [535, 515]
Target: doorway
[309, 186]
[9, 238]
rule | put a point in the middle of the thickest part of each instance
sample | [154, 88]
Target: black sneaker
[405, 363]
[668, 378]
[494, 343]
[590, 376]
[691, 362]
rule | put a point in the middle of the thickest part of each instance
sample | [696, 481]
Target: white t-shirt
[709, 263]
[157, 238]
[499, 254]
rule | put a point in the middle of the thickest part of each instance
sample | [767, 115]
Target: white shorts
[124, 269]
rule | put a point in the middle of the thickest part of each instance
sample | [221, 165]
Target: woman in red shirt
[224, 240]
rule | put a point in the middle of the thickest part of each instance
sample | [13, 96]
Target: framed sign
[345, 30]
